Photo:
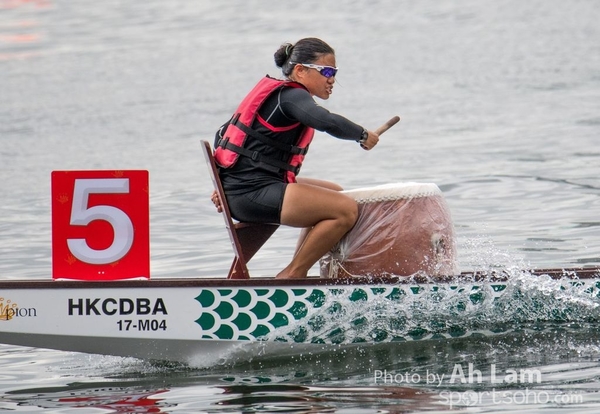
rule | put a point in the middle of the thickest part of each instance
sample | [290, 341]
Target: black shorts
[262, 205]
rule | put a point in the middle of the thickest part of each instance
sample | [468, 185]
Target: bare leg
[319, 183]
[329, 213]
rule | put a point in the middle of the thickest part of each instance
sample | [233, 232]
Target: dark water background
[499, 104]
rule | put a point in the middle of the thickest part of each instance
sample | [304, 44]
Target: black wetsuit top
[283, 109]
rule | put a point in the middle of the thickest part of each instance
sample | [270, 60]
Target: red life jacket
[230, 143]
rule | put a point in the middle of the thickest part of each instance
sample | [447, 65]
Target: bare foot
[284, 274]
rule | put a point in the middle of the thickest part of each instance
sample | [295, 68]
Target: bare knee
[350, 214]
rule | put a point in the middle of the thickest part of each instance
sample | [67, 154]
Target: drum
[402, 229]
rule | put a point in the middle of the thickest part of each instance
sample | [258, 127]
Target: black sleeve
[297, 104]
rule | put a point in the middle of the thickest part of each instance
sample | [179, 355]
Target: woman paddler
[259, 152]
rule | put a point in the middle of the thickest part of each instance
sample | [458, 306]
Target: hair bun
[283, 54]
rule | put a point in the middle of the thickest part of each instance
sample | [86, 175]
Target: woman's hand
[216, 201]
[371, 141]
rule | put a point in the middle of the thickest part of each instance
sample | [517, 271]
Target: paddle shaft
[393, 121]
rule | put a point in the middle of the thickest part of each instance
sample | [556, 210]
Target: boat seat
[246, 238]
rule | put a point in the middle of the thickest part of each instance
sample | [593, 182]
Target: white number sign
[82, 215]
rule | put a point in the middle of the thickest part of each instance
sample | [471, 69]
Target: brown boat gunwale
[464, 277]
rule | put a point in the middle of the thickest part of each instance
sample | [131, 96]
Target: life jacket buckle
[223, 142]
[255, 156]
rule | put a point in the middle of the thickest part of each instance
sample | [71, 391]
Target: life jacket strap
[292, 149]
[257, 156]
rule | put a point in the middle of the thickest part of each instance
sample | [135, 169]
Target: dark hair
[307, 50]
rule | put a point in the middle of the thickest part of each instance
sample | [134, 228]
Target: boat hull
[204, 321]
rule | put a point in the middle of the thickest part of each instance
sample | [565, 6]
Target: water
[499, 107]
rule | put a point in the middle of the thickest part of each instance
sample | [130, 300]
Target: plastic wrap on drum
[402, 229]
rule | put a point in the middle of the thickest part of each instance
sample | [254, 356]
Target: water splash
[481, 254]
[351, 315]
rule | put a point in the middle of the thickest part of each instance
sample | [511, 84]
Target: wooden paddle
[393, 121]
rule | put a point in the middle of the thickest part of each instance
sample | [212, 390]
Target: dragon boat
[391, 279]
